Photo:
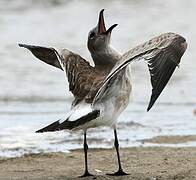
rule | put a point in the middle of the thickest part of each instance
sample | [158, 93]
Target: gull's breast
[115, 102]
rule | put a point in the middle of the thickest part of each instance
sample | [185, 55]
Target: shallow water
[33, 94]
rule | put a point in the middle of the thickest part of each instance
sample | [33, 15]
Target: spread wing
[162, 53]
[45, 54]
[84, 80]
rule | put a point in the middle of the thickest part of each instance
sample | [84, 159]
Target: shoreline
[140, 162]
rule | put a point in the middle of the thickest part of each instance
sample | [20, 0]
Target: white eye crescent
[91, 35]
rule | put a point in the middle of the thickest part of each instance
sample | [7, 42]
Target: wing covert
[84, 80]
[162, 53]
[44, 54]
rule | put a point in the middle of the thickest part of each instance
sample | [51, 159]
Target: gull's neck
[106, 57]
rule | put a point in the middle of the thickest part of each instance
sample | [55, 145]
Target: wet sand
[171, 139]
[142, 163]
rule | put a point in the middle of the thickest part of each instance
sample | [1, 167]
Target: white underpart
[110, 106]
[65, 117]
[110, 109]
[77, 112]
[113, 103]
[80, 110]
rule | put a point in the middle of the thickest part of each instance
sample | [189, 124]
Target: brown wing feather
[84, 80]
[163, 54]
[45, 54]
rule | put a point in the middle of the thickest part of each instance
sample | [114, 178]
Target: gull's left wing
[162, 53]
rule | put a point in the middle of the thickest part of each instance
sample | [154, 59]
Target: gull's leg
[120, 171]
[86, 173]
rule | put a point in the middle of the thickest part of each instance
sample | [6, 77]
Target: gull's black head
[99, 37]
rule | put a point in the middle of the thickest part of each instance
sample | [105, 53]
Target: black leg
[120, 171]
[86, 173]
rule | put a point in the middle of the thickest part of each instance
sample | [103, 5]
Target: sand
[149, 163]
[171, 139]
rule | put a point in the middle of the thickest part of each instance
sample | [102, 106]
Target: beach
[34, 94]
[142, 163]
[159, 144]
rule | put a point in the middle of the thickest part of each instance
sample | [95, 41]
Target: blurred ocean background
[33, 94]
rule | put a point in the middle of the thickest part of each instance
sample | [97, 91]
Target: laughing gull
[101, 92]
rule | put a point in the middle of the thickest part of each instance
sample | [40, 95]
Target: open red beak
[101, 24]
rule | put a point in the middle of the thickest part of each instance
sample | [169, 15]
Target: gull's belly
[121, 99]
[112, 107]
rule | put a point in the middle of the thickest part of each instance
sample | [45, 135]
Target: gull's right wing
[82, 77]
[45, 54]
[162, 53]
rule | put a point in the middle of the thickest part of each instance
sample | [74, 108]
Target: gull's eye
[92, 35]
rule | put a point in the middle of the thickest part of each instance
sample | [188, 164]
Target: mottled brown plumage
[162, 53]
[102, 92]
[84, 80]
